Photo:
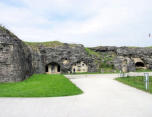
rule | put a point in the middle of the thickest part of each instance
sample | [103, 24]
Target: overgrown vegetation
[91, 52]
[40, 85]
[103, 60]
[137, 82]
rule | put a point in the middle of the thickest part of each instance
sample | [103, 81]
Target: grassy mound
[46, 44]
[42, 85]
[137, 82]
[51, 44]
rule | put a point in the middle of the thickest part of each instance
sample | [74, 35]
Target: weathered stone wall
[72, 54]
[18, 60]
[15, 58]
[145, 54]
[37, 61]
[127, 54]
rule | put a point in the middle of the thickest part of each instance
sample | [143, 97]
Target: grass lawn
[143, 70]
[137, 82]
[40, 85]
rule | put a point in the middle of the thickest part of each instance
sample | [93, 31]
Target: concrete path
[103, 97]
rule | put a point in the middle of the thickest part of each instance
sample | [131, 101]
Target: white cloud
[90, 22]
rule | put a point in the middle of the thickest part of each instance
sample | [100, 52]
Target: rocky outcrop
[125, 56]
[124, 63]
[141, 54]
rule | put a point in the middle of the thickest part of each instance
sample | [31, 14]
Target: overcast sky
[89, 22]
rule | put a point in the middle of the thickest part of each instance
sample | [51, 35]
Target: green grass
[46, 44]
[91, 52]
[143, 70]
[137, 82]
[40, 85]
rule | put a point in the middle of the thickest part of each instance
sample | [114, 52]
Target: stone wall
[15, 58]
[65, 55]
[18, 60]
[125, 56]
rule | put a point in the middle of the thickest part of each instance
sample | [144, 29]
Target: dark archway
[52, 68]
[139, 64]
[46, 68]
[58, 69]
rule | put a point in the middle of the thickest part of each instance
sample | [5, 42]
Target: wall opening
[46, 68]
[53, 68]
[58, 68]
[139, 64]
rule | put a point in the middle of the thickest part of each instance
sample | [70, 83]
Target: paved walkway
[103, 97]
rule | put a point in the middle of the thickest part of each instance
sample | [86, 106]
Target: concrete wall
[79, 67]
[15, 60]
[66, 56]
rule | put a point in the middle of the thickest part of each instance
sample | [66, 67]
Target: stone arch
[53, 68]
[138, 63]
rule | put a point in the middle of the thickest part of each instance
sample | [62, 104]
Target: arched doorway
[53, 68]
[139, 64]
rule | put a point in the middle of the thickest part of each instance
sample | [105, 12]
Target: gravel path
[102, 97]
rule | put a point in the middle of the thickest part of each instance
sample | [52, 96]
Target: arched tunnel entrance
[52, 68]
[139, 64]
